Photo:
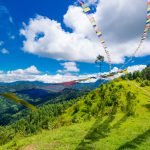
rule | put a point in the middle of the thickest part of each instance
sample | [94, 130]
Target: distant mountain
[24, 82]
[51, 87]
[20, 85]
[79, 86]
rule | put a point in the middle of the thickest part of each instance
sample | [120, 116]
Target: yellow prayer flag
[146, 30]
[99, 33]
[86, 9]
[148, 21]
[102, 41]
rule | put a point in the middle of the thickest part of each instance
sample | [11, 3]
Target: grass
[115, 132]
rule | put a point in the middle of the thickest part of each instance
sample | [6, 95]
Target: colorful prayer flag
[99, 33]
[86, 9]
[148, 16]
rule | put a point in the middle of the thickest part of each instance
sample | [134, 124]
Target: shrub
[131, 103]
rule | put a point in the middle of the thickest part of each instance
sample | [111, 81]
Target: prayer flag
[86, 9]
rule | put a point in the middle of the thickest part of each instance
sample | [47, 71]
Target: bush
[139, 80]
[147, 83]
[131, 103]
[142, 84]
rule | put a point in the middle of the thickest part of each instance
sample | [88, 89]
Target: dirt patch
[30, 147]
[53, 145]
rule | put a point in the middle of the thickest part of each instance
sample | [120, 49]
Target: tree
[99, 60]
[146, 73]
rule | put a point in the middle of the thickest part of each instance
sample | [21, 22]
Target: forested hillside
[114, 116]
[11, 112]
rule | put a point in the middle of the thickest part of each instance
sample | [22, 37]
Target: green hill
[113, 117]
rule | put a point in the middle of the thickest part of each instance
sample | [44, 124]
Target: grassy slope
[111, 133]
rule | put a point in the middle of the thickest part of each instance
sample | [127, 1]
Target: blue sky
[17, 54]
[21, 11]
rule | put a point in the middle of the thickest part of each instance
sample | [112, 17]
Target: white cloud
[28, 74]
[136, 68]
[124, 23]
[130, 69]
[31, 70]
[4, 51]
[77, 20]
[122, 30]
[33, 74]
[69, 67]
[57, 43]
[115, 69]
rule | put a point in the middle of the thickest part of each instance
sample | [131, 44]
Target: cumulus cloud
[124, 23]
[122, 30]
[28, 74]
[131, 68]
[31, 70]
[33, 74]
[57, 43]
[4, 51]
[69, 67]
[77, 20]
[115, 69]
[136, 68]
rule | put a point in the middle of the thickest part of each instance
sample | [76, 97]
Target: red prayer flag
[68, 83]
[148, 17]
